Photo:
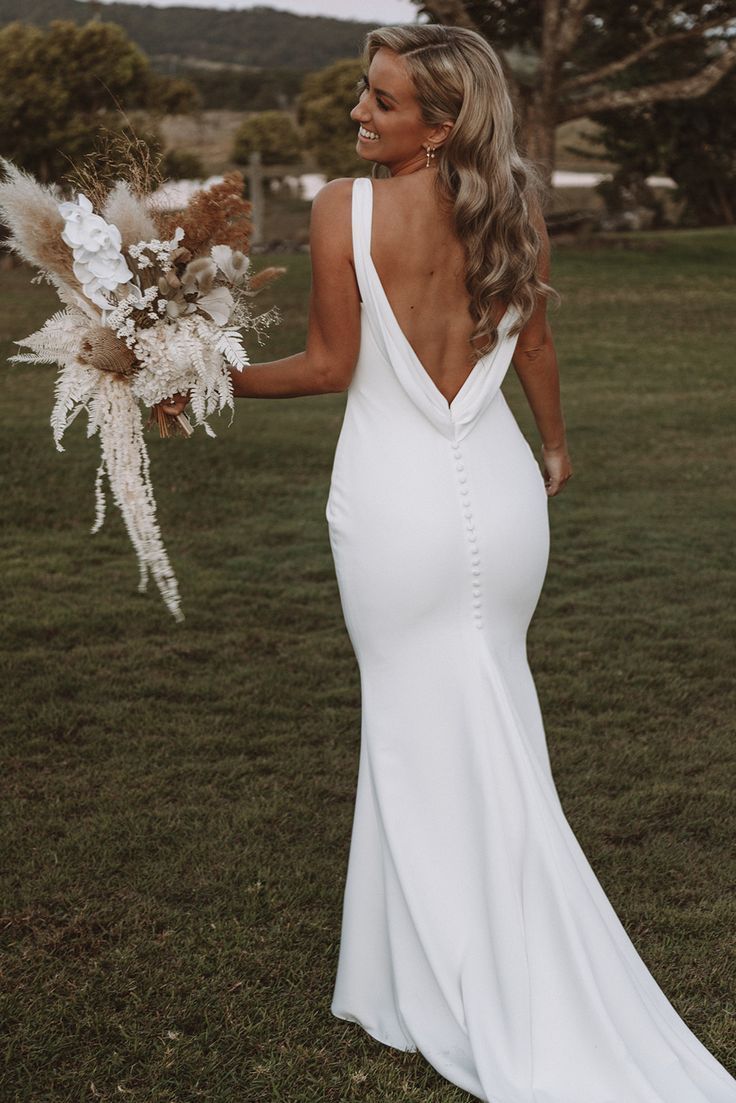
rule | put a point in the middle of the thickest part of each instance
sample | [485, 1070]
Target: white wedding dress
[474, 930]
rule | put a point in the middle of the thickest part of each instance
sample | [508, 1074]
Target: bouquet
[152, 306]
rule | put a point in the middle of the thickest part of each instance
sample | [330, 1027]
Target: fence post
[255, 185]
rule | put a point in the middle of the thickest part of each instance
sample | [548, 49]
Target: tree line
[260, 38]
[659, 77]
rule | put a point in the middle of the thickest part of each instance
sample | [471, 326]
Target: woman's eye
[363, 86]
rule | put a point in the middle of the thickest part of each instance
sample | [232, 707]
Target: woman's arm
[535, 361]
[333, 334]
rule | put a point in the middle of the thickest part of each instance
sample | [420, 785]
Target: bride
[474, 929]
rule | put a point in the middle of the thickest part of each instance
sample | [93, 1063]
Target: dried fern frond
[218, 215]
[56, 342]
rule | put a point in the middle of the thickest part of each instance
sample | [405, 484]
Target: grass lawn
[177, 798]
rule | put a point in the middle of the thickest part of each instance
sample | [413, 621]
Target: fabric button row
[471, 534]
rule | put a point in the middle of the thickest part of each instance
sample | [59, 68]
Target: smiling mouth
[367, 134]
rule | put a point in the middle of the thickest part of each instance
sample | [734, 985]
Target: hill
[260, 37]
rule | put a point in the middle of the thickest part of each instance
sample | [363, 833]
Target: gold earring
[430, 153]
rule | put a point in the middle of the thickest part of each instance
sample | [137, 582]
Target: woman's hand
[176, 404]
[557, 468]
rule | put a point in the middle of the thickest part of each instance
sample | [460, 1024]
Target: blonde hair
[494, 191]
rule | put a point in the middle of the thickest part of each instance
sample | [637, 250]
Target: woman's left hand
[176, 404]
[557, 469]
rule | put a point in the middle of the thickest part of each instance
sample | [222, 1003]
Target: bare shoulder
[330, 225]
[331, 202]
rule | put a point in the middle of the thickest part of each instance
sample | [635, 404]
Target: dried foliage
[101, 349]
[117, 155]
[264, 277]
[218, 216]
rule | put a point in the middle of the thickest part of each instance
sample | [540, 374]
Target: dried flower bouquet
[153, 306]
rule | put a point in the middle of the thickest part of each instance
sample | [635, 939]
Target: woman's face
[392, 132]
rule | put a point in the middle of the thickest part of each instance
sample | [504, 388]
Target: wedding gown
[473, 929]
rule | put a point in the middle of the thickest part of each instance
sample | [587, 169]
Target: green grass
[177, 799]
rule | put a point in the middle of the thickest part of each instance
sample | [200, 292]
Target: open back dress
[473, 928]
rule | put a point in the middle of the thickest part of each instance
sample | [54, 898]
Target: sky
[368, 11]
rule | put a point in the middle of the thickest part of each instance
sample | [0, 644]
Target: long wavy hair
[493, 190]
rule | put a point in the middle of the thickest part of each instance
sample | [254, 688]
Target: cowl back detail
[453, 420]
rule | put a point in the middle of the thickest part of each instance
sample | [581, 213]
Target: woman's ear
[439, 135]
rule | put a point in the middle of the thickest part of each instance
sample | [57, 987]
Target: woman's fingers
[175, 405]
[557, 471]
[558, 484]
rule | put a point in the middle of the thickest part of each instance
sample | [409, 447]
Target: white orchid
[99, 264]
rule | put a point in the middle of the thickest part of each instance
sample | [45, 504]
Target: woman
[473, 928]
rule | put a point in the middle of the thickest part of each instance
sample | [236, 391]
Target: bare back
[421, 262]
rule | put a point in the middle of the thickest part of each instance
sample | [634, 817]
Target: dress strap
[362, 219]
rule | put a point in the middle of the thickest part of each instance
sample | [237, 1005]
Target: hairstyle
[495, 192]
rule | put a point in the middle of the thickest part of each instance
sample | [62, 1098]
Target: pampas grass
[127, 211]
[32, 213]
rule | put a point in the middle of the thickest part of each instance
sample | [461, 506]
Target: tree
[694, 142]
[60, 85]
[182, 164]
[571, 59]
[271, 132]
[232, 89]
[324, 107]
[171, 95]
